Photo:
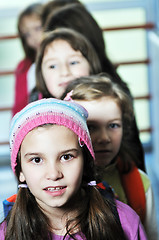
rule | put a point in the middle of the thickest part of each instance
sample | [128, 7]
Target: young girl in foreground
[53, 160]
[110, 113]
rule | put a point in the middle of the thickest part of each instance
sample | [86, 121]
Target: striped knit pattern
[68, 114]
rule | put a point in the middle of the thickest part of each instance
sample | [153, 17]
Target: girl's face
[105, 126]
[32, 30]
[52, 165]
[61, 64]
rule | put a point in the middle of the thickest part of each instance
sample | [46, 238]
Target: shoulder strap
[108, 193]
[134, 190]
[8, 203]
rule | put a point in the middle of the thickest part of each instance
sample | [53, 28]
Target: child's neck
[58, 218]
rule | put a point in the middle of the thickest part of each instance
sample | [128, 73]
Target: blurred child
[110, 115]
[64, 55]
[76, 16]
[30, 33]
[53, 160]
[52, 6]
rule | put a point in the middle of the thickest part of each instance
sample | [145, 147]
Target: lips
[57, 191]
[102, 151]
[53, 189]
[64, 84]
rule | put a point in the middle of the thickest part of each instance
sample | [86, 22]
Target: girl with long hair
[53, 160]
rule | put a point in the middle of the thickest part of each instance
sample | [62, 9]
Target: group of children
[62, 179]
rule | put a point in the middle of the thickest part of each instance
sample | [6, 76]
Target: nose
[53, 171]
[104, 136]
[65, 70]
[34, 38]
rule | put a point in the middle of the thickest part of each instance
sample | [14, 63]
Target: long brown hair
[77, 41]
[52, 6]
[95, 216]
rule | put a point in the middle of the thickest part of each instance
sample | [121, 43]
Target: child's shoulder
[2, 230]
[24, 63]
[126, 212]
[130, 221]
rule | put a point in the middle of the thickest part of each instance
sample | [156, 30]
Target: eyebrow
[31, 153]
[70, 150]
[78, 54]
[97, 121]
[61, 152]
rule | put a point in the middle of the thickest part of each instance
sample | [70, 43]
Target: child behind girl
[64, 55]
[110, 114]
[66, 48]
[30, 33]
[53, 160]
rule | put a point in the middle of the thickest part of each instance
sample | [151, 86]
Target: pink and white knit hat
[51, 110]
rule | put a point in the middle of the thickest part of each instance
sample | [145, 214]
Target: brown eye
[66, 157]
[114, 125]
[37, 160]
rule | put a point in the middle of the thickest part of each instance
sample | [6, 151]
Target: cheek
[32, 179]
[29, 42]
[46, 74]
[121, 134]
[77, 174]
[49, 79]
[83, 70]
[49, 84]
[118, 139]
[94, 137]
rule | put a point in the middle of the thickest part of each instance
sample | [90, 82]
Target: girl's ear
[21, 177]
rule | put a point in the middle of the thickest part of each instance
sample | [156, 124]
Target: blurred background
[130, 29]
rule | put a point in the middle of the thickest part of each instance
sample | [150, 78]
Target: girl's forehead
[29, 21]
[54, 130]
[30, 17]
[97, 100]
[59, 42]
[34, 16]
[102, 108]
[60, 47]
